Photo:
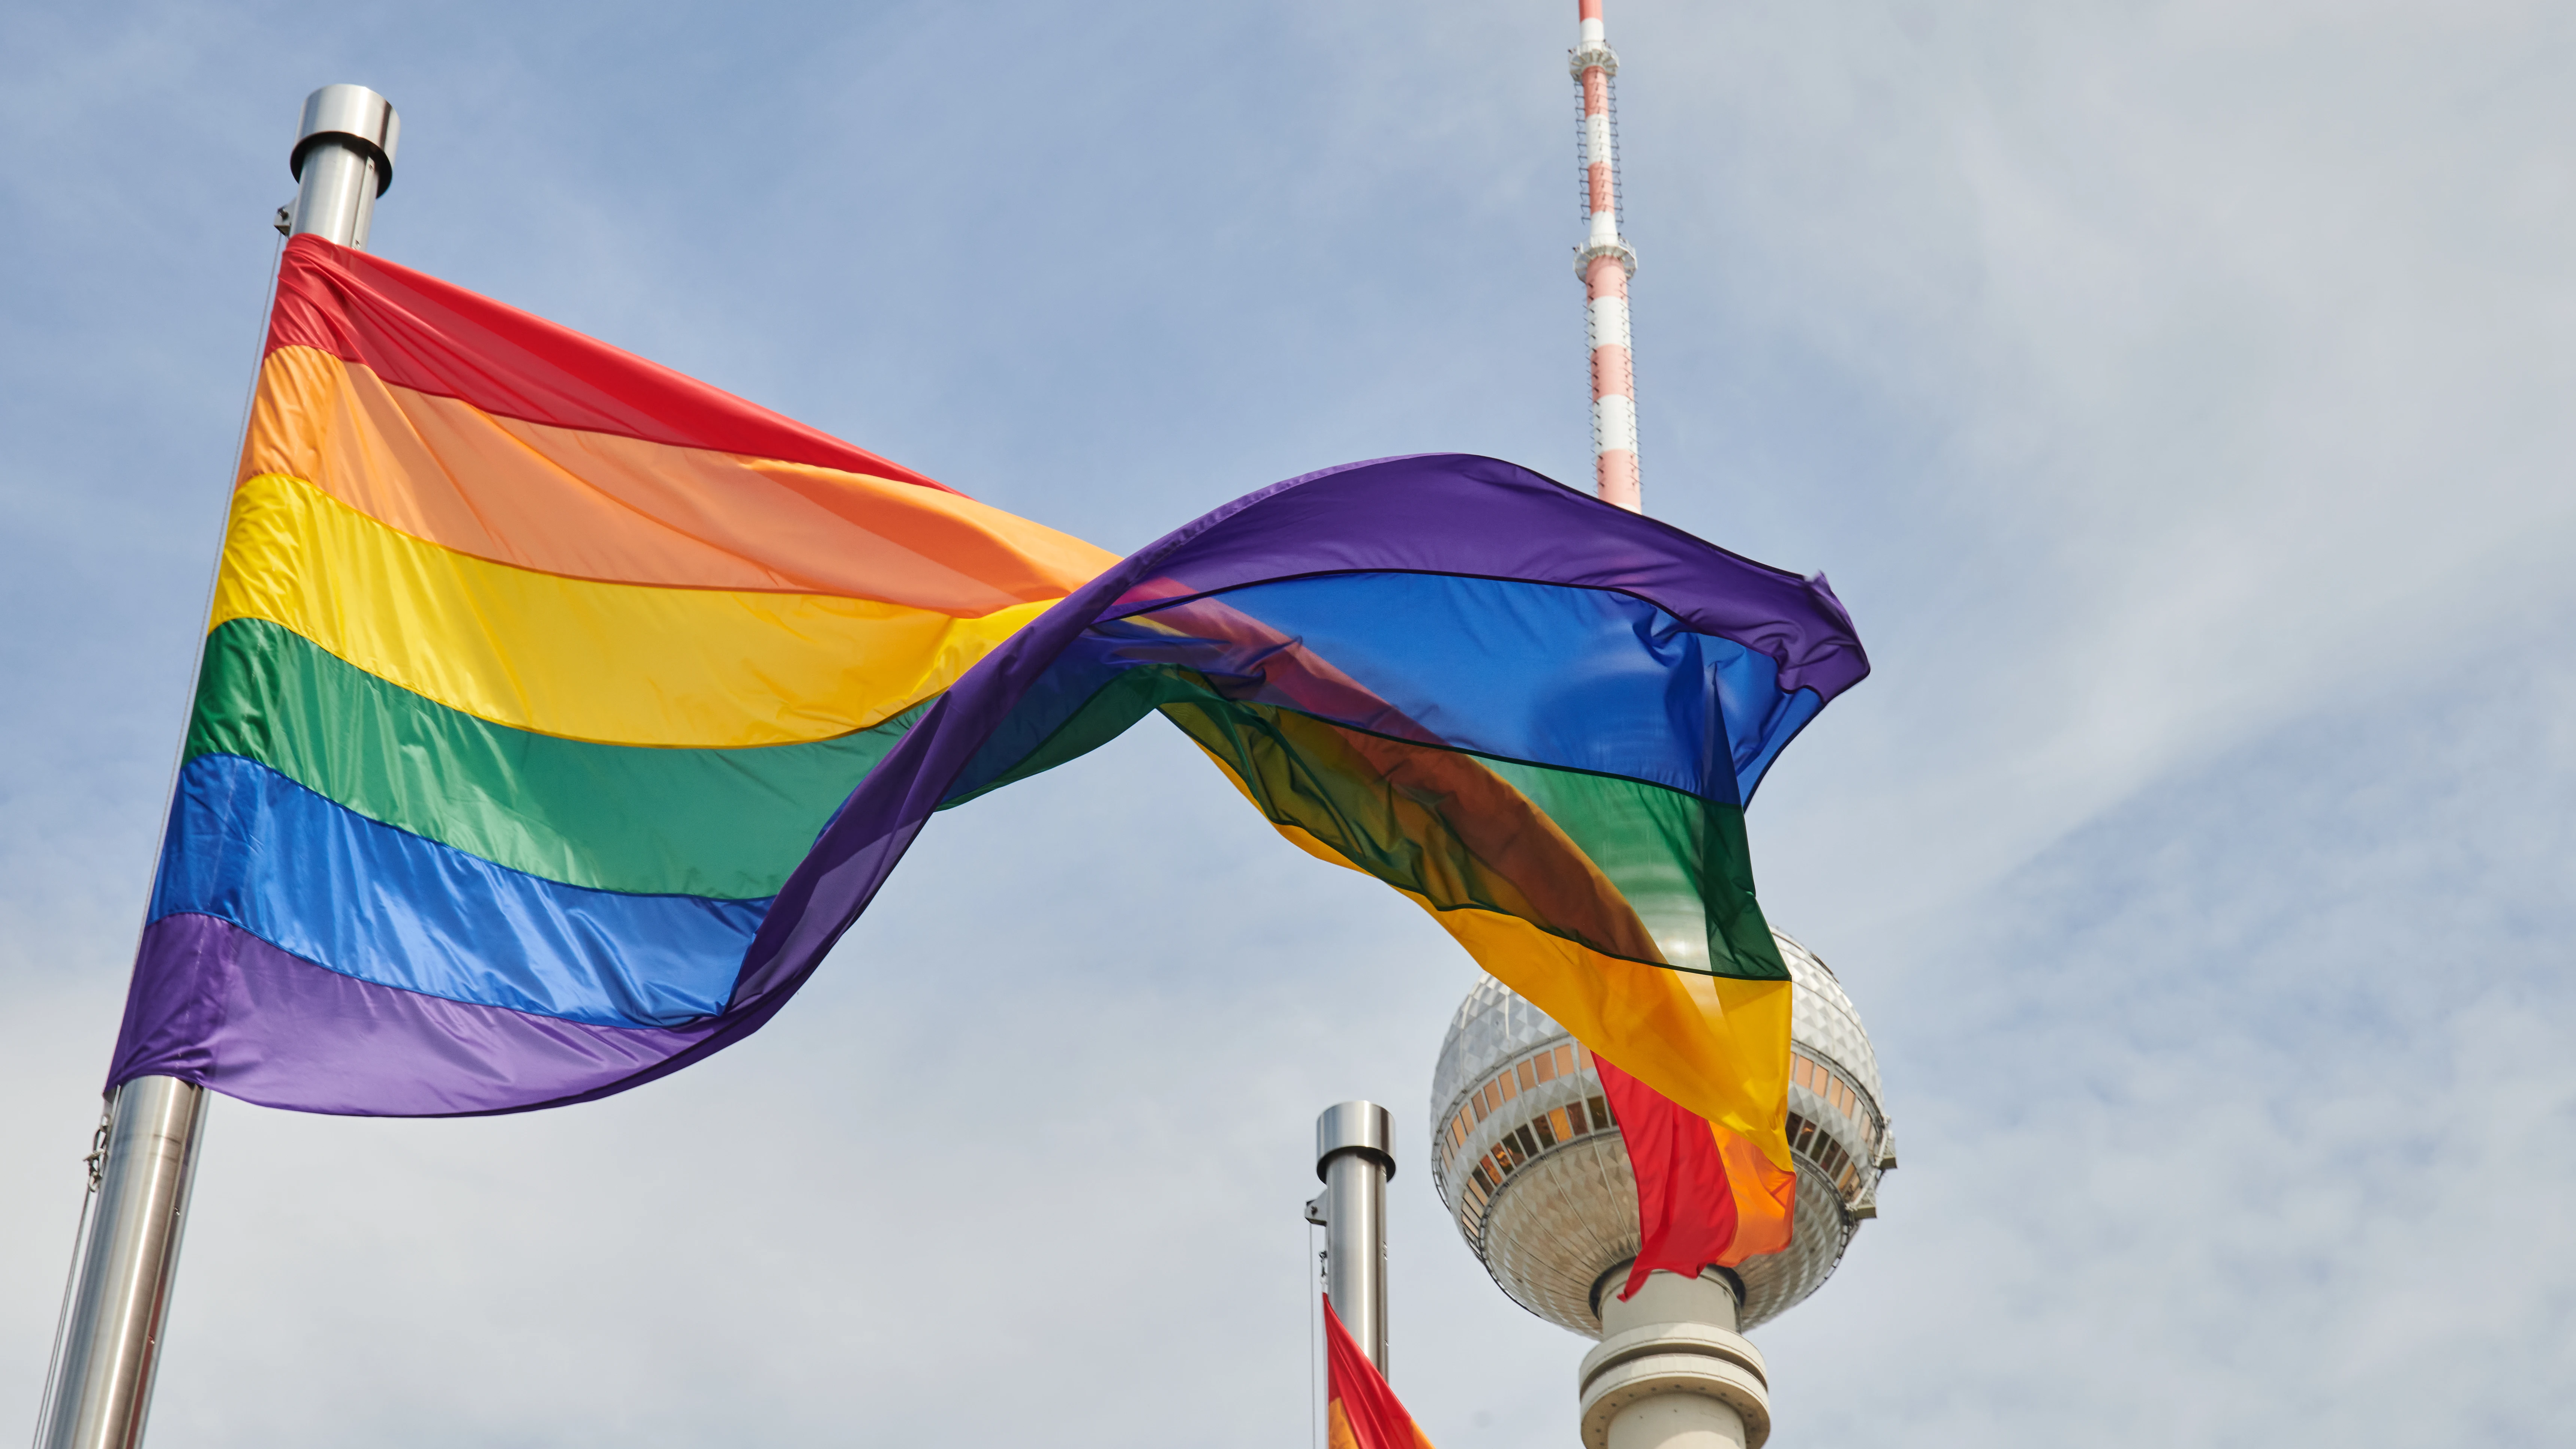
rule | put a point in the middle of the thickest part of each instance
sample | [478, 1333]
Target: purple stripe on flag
[216, 1005]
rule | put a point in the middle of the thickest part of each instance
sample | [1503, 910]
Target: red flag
[1365, 1413]
[1692, 1210]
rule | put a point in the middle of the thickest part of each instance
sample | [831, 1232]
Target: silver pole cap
[1361, 1127]
[353, 114]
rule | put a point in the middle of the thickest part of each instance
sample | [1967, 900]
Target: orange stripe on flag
[1766, 1198]
[624, 510]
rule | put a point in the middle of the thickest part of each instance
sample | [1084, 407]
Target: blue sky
[2177, 393]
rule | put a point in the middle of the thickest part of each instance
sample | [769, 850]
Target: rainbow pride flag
[533, 670]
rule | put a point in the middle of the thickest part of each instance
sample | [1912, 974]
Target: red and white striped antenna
[1605, 263]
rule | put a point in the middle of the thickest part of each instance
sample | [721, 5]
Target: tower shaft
[1605, 263]
[1672, 1372]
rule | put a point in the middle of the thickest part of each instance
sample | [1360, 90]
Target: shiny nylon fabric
[418, 976]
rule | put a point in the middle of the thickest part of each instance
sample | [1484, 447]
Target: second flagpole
[1355, 1155]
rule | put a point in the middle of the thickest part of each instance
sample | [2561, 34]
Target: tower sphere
[1534, 1173]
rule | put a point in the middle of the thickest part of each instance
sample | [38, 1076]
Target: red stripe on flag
[1685, 1206]
[418, 332]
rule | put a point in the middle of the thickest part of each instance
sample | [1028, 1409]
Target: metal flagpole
[1355, 1155]
[342, 161]
[123, 1301]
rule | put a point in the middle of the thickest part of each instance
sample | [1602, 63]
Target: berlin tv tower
[1524, 1153]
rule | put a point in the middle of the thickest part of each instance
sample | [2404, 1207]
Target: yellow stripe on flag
[617, 663]
[1717, 1045]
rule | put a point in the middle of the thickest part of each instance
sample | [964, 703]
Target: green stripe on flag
[729, 824]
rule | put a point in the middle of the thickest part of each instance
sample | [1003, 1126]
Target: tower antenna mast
[1605, 263]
